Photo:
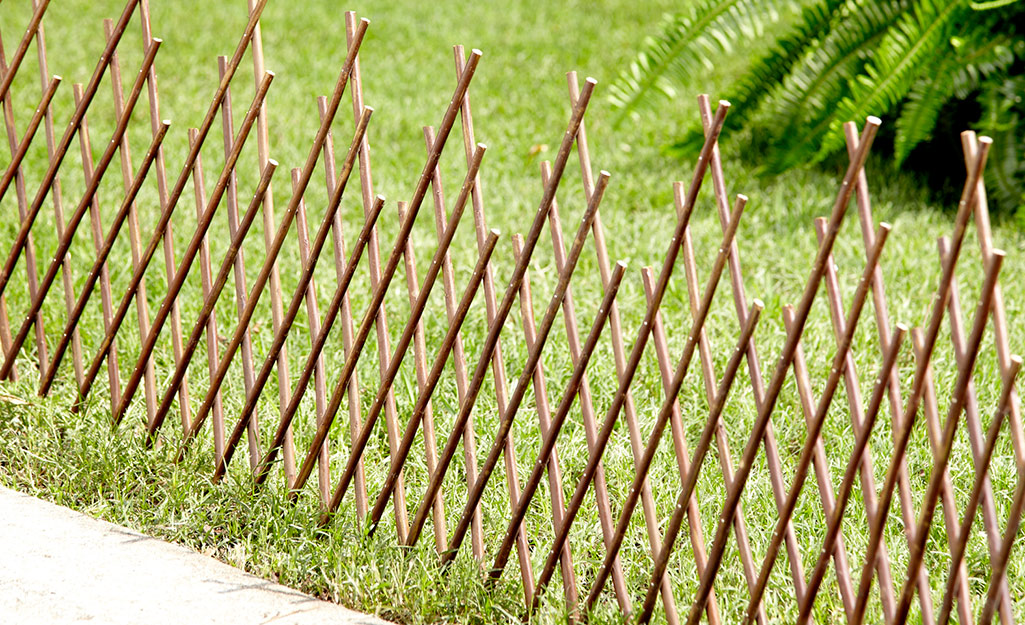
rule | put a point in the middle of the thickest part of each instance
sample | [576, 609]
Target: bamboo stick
[67, 274]
[212, 336]
[420, 364]
[776, 383]
[544, 415]
[345, 309]
[389, 272]
[19, 185]
[62, 146]
[185, 403]
[855, 462]
[936, 317]
[167, 209]
[96, 227]
[636, 353]
[124, 150]
[188, 258]
[241, 283]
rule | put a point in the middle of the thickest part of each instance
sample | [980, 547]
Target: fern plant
[838, 60]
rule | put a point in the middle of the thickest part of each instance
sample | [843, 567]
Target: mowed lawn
[521, 109]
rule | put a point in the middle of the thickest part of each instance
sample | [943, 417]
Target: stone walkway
[60, 566]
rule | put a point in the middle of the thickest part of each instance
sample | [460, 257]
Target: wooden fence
[30, 348]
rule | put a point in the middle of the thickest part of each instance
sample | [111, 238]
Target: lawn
[520, 110]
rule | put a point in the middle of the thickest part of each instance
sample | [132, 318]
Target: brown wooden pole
[241, 283]
[389, 271]
[167, 208]
[168, 247]
[62, 147]
[344, 309]
[818, 421]
[127, 174]
[964, 530]
[942, 455]
[678, 433]
[715, 414]
[313, 319]
[253, 396]
[332, 312]
[833, 523]
[282, 233]
[497, 359]
[188, 258]
[263, 153]
[544, 415]
[212, 335]
[420, 364]
[402, 346]
[894, 393]
[523, 383]
[30, 31]
[991, 524]
[67, 275]
[965, 206]
[76, 218]
[108, 243]
[19, 183]
[665, 412]
[96, 226]
[437, 368]
[548, 441]
[636, 353]
[779, 375]
[495, 328]
[999, 564]
[237, 239]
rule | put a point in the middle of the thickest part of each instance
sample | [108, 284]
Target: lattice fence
[31, 348]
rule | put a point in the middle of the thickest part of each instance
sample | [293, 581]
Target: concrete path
[60, 566]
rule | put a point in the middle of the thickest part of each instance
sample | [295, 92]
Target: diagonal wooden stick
[775, 384]
[62, 147]
[389, 271]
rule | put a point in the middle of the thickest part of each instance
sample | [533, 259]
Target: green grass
[520, 109]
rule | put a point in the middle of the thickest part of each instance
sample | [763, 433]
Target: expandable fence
[861, 576]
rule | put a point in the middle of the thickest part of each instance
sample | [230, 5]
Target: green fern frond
[686, 42]
[820, 78]
[970, 57]
[771, 68]
[917, 37]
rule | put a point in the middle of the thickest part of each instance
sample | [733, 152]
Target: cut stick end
[998, 252]
[725, 104]
[902, 328]
[621, 264]
[482, 147]
[885, 225]
[157, 41]
[269, 73]
[272, 162]
[476, 52]
[757, 304]
[379, 198]
[165, 122]
[985, 140]
[742, 198]
[57, 78]
[591, 81]
[872, 120]
[604, 174]
[368, 109]
[364, 20]
[1016, 361]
